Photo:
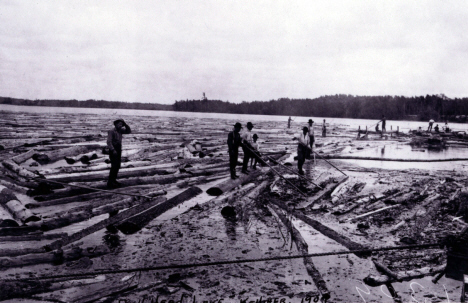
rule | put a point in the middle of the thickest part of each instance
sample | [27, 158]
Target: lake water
[353, 123]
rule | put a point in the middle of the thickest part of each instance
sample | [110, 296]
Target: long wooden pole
[301, 176]
[330, 164]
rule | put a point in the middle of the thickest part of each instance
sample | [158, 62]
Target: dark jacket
[234, 141]
[114, 138]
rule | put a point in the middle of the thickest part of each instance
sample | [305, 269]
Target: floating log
[346, 242]
[343, 157]
[377, 280]
[230, 184]
[54, 257]
[137, 222]
[102, 175]
[20, 171]
[104, 223]
[34, 237]
[10, 202]
[303, 248]
[6, 219]
[24, 156]
[55, 155]
[14, 187]
[18, 231]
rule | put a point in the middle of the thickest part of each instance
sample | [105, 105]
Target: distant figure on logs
[377, 127]
[114, 142]
[436, 128]
[303, 148]
[247, 140]
[384, 121]
[255, 146]
[311, 134]
[324, 128]
[289, 122]
[446, 127]
[234, 141]
[429, 128]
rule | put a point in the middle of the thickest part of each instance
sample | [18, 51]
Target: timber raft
[65, 237]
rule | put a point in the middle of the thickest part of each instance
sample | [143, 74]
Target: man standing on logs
[302, 148]
[234, 141]
[114, 142]
[247, 140]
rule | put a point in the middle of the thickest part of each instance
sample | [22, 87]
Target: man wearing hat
[234, 141]
[114, 142]
[311, 134]
[247, 147]
[302, 148]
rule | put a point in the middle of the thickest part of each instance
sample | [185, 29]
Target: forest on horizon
[422, 108]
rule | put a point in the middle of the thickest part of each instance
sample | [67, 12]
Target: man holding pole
[114, 142]
[311, 134]
[302, 148]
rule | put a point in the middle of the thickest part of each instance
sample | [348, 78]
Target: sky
[162, 51]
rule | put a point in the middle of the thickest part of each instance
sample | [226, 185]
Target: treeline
[87, 103]
[421, 108]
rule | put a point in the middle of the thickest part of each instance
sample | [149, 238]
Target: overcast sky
[162, 51]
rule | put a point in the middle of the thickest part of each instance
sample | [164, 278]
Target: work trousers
[312, 140]
[247, 156]
[233, 155]
[301, 156]
[116, 160]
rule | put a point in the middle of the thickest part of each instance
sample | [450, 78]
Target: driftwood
[376, 280]
[10, 202]
[137, 222]
[54, 257]
[303, 248]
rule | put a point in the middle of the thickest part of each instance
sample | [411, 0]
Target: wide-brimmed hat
[119, 119]
[250, 124]
[254, 136]
[305, 128]
[311, 121]
[238, 125]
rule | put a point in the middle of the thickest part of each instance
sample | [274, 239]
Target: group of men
[247, 140]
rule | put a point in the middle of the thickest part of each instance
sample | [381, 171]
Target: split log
[54, 257]
[55, 155]
[137, 222]
[322, 193]
[346, 242]
[377, 280]
[23, 157]
[20, 171]
[303, 248]
[22, 289]
[11, 203]
[104, 223]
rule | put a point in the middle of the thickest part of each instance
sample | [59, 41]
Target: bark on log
[20, 171]
[104, 223]
[303, 248]
[377, 280]
[137, 222]
[10, 202]
[346, 242]
[55, 155]
[14, 187]
[24, 156]
[102, 175]
[55, 257]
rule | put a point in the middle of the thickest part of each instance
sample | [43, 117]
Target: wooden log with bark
[55, 155]
[20, 171]
[24, 156]
[135, 223]
[11, 203]
[54, 257]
